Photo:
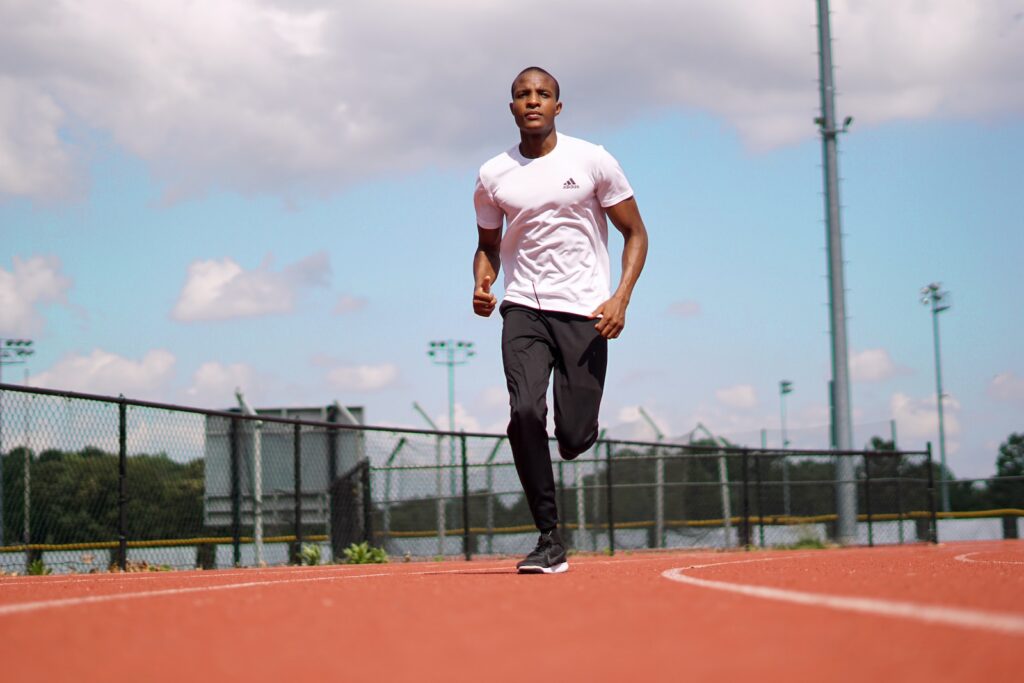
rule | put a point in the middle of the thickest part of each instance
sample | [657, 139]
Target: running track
[952, 612]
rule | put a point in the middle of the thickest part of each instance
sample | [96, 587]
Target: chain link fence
[91, 483]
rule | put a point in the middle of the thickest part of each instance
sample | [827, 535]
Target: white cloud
[1007, 386]
[219, 290]
[363, 377]
[495, 397]
[34, 162]
[463, 420]
[632, 425]
[919, 418]
[102, 372]
[27, 287]
[873, 365]
[740, 396]
[274, 96]
[215, 384]
[685, 309]
[348, 304]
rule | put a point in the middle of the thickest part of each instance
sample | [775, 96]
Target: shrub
[309, 555]
[364, 553]
[38, 568]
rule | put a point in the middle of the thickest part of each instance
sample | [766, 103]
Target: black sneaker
[547, 558]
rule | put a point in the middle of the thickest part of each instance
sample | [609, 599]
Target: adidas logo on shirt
[570, 184]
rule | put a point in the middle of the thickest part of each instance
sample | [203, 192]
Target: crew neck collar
[522, 157]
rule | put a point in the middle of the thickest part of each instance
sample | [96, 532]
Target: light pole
[785, 387]
[846, 489]
[659, 483]
[933, 296]
[12, 352]
[451, 353]
[441, 524]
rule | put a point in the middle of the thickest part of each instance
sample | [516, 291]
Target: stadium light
[933, 295]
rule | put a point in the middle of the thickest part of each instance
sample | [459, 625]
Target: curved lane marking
[1012, 624]
[966, 557]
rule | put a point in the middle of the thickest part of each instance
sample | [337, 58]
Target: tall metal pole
[846, 492]
[938, 299]
[451, 417]
[454, 353]
[441, 522]
[1, 452]
[659, 483]
[257, 478]
[785, 387]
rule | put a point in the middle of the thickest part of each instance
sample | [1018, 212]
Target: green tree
[74, 496]
[1007, 491]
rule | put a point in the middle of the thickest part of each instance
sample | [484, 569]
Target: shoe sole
[538, 569]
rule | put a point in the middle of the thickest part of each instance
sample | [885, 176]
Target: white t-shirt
[555, 248]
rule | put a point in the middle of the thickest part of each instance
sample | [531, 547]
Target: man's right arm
[486, 264]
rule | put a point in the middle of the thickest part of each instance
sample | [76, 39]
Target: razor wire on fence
[91, 483]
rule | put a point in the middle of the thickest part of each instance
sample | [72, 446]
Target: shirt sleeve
[611, 185]
[488, 213]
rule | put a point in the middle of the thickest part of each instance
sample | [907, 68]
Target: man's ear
[558, 108]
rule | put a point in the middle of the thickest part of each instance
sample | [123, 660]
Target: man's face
[534, 106]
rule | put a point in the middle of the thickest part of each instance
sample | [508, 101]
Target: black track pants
[532, 344]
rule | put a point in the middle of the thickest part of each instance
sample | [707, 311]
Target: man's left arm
[625, 216]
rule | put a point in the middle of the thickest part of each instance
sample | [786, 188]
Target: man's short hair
[538, 70]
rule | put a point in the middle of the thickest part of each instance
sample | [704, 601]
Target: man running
[553, 193]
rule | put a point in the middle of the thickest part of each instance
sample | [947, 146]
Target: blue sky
[172, 229]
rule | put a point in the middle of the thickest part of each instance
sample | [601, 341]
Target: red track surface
[615, 619]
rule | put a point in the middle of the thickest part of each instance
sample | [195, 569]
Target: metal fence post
[581, 506]
[723, 478]
[236, 497]
[611, 507]
[931, 498]
[367, 503]
[867, 499]
[467, 551]
[442, 524]
[561, 501]
[297, 479]
[760, 498]
[899, 491]
[490, 508]
[659, 498]
[122, 492]
[2, 542]
[746, 499]
[332, 445]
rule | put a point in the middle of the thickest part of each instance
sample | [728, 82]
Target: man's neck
[533, 146]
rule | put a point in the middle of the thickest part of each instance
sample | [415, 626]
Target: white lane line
[966, 557]
[184, 575]
[1012, 624]
[429, 569]
[262, 572]
[114, 577]
[23, 607]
